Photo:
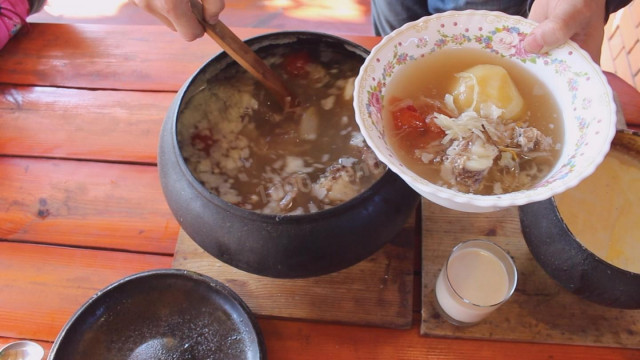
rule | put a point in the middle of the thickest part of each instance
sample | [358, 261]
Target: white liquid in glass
[480, 281]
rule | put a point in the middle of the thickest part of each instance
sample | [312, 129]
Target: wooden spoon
[246, 57]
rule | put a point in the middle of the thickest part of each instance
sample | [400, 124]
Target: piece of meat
[529, 139]
[468, 161]
[338, 184]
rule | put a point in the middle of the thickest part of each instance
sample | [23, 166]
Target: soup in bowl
[456, 107]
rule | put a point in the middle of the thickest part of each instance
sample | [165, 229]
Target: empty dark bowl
[567, 261]
[282, 246]
[161, 315]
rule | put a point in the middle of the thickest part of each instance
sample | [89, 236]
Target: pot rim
[588, 252]
[183, 275]
[556, 212]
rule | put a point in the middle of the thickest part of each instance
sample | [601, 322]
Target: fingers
[181, 15]
[165, 20]
[558, 23]
[178, 16]
[212, 10]
[560, 20]
[549, 35]
[546, 36]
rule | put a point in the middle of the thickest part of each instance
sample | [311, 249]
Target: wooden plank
[100, 205]
[296, 340]
[111, 56]
[81, 124]
[42, 286]
[102, 56]
[377, 291]
[539, 311]
[287, 340]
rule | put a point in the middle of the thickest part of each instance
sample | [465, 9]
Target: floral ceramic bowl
[575, 81]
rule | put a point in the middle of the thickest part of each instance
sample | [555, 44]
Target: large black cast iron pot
[567, 261]
[288, 246]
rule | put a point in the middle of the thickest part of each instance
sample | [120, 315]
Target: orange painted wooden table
[81, 204]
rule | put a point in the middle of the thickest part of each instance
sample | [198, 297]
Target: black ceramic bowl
[567, 261]
[282, 246]
[161, 314]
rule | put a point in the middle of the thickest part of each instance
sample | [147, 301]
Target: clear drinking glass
[476, 279]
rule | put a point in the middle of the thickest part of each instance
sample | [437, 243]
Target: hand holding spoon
[246, 57]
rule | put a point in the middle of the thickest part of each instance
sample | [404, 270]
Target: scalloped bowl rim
[472, 202]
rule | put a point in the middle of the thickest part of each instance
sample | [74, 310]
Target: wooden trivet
[540, 309]
[377, 291]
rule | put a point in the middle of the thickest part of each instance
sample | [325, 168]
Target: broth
[602, 211]
[246, 150]
[516, 139]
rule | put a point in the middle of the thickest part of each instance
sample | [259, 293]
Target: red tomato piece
[416, 129]
[408, 117]
[295, 64]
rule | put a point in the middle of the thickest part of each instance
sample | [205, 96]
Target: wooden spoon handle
[246, 57]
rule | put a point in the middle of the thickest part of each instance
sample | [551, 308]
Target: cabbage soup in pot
[245, 149]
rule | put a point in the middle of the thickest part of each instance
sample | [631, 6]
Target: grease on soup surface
[244, 149]
[473, 122]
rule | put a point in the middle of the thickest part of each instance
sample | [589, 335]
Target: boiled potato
[487, 84]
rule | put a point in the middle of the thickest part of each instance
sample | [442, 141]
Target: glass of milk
[476, 279]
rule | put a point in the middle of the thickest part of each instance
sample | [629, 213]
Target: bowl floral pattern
[576, 82]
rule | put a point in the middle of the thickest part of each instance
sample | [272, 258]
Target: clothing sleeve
[611, 5]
